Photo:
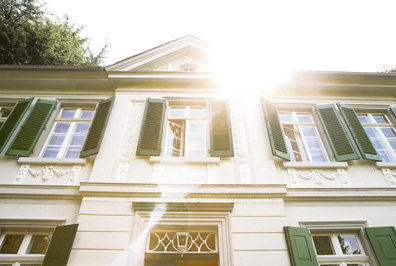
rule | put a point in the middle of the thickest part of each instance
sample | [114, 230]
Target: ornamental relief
[175, 65]
[318, 176]
[390, 177]
[238, 130]
[131, 129]
[47, 173]
[182, 175]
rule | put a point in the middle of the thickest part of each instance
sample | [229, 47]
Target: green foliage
[28, 37]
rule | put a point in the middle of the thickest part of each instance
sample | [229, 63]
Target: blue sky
[312, 35]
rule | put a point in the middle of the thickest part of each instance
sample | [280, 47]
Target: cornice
[40, 192]
[340, 194]
[145, 190]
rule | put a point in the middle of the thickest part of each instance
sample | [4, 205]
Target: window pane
[81, 128]
[51, 152]
[379, 144]
[11, 244]
[68, 113]
[87, 113]
[380, 119]
[372, 132]
[285, 118]
[305, 118]
[39, 244]
[359, 264]
[364, 118]
[177, 111]
[62, 127]
[313, 144]
[385, 156]
[56, 140]
[349, 244]
[196, 127]
[77, 140]
[72, 152]
[320, 157]
[323, 245]
[388, 132]
[197, 111]
[309, 131]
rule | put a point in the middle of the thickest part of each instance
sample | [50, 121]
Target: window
[342, 249]
[68, 133]
[4, 113]
[186, 132]
[191, 128]
[382, 134]
[302, 138]
[23, 248]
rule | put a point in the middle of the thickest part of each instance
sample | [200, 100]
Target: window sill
[385, 164]
[305, 165]
[160, 159]
[63, 161]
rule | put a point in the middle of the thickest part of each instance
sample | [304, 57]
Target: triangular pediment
[187, 54]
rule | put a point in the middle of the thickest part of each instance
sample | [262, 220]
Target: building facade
[151, 161]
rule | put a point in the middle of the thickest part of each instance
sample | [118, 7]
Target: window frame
[301, 140]
[184, 144]
[4, 118]
[356, 228]
[377, 127]
[70, 131]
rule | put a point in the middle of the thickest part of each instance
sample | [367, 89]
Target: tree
[28, 37]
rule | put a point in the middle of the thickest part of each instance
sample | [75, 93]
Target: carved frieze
[244, 169]
[175, 65]
[122, 171]
[184, 175]
[47, 173]
[239, 133]
[390, 177]
[132, 128]
[318, 176]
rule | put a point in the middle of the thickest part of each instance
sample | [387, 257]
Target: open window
[189, 128]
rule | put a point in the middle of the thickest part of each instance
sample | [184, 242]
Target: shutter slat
[151, 130]
[61, 244]
[221, 142]
[383, 241]
[13, 120]
[31, 129]
[97, 128]
[336, 133]
[362, 140]
[275, 131]
[300, 246]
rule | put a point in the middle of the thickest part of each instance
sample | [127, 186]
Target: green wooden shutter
[59, 249]
[275, 131]
[359, 134]
[221, 144]
[336, 133]
[393, 110]
[383, 241]
[300, 246]
[13, 120]
[31, 129]
[97, 128]
[151, 130]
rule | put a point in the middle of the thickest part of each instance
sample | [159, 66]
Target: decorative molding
[22, 172]
[318, 176]
[184, 175]
[175, 65]
[238, 129]
[244, 169]
[122, 171]
[74, 173]
[390, 177]
[48, 172]
[131, 128]
[212, 174]
[186, 200]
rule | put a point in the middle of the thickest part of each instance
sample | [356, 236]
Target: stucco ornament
[318, 176]
[238, 129]
[390, 177]
[48, 172]
[184, 174]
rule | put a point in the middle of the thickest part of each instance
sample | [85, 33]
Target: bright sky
[345, 35]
